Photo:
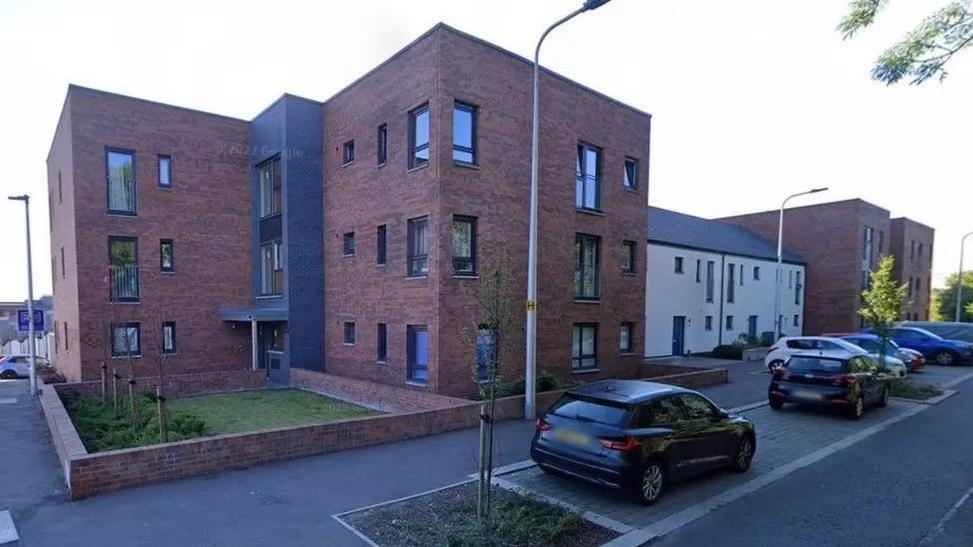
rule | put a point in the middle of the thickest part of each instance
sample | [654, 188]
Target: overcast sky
[751, 100]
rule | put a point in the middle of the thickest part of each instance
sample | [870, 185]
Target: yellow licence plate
[571, 437]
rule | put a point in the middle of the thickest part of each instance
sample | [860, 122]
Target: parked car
[18, 366]
[792, 345]
[916, 362]
[947, 329]
[932, 346]
[639, 437]
[833, 379]
[896, 359]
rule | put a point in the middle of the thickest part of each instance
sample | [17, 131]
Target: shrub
[546, 381]
[51, 377]
[728, 351]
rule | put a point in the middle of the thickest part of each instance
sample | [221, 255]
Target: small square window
[756, 273]
[729, 322]
[678, 265]
[349, 243]
[797, 320]
[126, 340]
[165, 171]
[631, 180]
[708, 322]
[625, 335]
[349, 334]
[166, 262]
[348, 153]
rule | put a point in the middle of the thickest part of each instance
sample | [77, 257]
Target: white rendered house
[709, 282]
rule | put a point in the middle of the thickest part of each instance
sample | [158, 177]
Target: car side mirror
[722, 414]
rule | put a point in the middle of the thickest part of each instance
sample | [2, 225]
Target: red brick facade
[831, 236]
[442, 67]
[912, 244]
[205, 213]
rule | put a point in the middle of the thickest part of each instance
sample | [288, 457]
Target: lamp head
[816, 190]
[24, 197]
[594, 4]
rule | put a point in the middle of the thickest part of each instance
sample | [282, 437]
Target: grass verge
[909, 389]
[256, 410]
[448, 517]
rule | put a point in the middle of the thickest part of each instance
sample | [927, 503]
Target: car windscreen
[814, 364]
[867, 344]
[591, 410]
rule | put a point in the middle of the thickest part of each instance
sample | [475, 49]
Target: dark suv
[638, 436]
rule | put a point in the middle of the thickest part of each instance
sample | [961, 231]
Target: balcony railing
[124, 283]
[121, 196]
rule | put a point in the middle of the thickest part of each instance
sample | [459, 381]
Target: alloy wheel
[744, 454]
[859, 406]
[652, 482]
[944, 358]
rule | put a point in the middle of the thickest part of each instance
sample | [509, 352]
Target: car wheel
[944, 357]
[744, 455]
[776, 403]
[774, 364]
[8, 375]
[651, 483]
[857, 408]
[884, 399]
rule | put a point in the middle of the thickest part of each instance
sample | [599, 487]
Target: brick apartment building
[842, 242]
[348, 235]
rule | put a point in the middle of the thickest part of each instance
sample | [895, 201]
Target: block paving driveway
[782, 437]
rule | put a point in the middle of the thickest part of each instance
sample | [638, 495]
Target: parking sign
[24, 326]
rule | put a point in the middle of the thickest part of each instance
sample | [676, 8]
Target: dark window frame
[138, 339]
[135, 264]
[172, 256]
[348, 244]
[632, 247]
[382, 343]
[381, 245]
[168, 160]
[756, 273]
[276, 182]
[417, 263]
[633, 177]
[708, 323]
[731, 283]
[710, 280]
[349, 333]
[415, 162]
[109, 150]
[276, 246]
[472, 149]
[578, 359]
[581, 270]
[382, 145]
[413, 366]
[582, 178]
[348, 152]
[630, 327]
[729, 322]
[169, 325]
[459, 261]
[678, 265]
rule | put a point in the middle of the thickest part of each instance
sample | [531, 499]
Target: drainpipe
[253, 344]
[722, 288]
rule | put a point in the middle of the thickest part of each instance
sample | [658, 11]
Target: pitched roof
[671, 228]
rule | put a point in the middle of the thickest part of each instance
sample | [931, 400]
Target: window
[587, 194]
[918, 285]
[912, 250]
[486, 352]
[60, 192]
[909, 285]
[586, 281]
[710, 281]
[881, 241]
[169, 337]
[625, 335]
[663, 411]
[165, 171]
[729, 322]
[418, 353]
[348, 247]
[348, 334]
[584, 346]
[464, 245]
[382, 145]
[125, 340]
[920, 250]
[631, 180]
[121, 182]
[381, 244]
[348, 152]
[699, 274]
[271, 191]
[418, 254]
[790, 279]
[66, 339]
[464, 133]
[708, 322]
[756, 273]
[741, 275]
[382, 343]
[797, 288]
[678, 265]
[419, 137]
[730, 284]
[696, 407]
[271, 269]
[123, 261]
[63, 274]
[628, 257]
[166, 263]
[797, 320]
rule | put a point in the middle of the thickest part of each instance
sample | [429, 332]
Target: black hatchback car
[639, 436]
[848, 383]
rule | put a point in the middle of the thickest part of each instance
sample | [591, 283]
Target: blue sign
[22, 324]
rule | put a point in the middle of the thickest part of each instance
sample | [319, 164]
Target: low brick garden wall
[180, 385]
[683, 376]
[415, 414]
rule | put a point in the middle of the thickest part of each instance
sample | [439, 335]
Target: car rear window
[809, 364]
[589, 410]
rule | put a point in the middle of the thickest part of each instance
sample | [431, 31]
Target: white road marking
[8, 532]
[8, 401]
[941, 525]
[958, 380]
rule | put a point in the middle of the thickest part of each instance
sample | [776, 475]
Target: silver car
[18, 366]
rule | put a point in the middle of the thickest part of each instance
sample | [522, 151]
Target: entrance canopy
[253, 314]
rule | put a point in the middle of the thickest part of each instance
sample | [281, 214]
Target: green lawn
[264, 409]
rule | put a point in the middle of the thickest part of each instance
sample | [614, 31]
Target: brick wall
[383, 397]
[179, 385]
[909, 239]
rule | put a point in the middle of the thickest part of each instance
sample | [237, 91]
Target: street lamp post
[32, 344]
[959, 280]
[780, 257]
[531, 354]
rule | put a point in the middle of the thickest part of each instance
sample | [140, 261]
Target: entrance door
[752, 327]
[273, 352]
[678, 335]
